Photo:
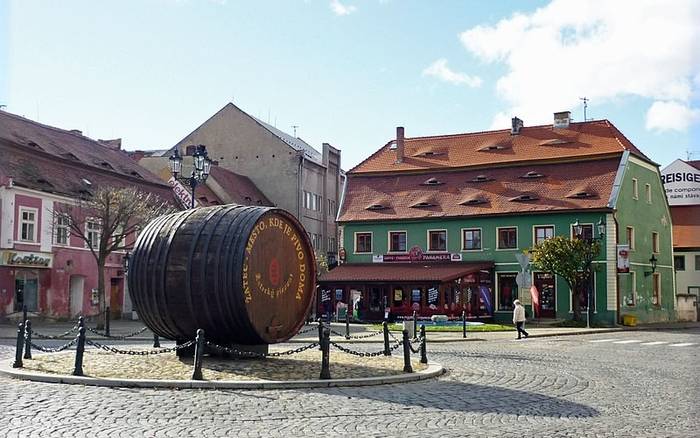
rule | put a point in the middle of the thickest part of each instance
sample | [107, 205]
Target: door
[26, 291]
[544, 282]
[115, 298]
[77, 291]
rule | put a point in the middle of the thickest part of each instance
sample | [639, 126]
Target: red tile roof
[239, 188]
[404, 272]
[561, 186]
[584, 139]
[695, 163]
[686, 226]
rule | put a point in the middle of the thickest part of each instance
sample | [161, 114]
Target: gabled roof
[504, 191]
[295, 142]
[492, 148]
[238, 187]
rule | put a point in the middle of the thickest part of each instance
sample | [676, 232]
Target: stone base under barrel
[216, 352]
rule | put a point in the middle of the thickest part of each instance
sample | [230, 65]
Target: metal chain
[252, 354]
[362, 353]
[310, 329]
[66, 333]
[358, 336]
[138, 352]
[137, 332]
[417, 341]
[54, 350]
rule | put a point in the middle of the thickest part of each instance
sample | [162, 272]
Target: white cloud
[440, 70]
[341, 9]
[663, 116]
[600, 49]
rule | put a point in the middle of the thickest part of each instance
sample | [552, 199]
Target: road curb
[434, 370]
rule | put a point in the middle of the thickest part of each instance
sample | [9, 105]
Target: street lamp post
[200, 170]
[578, 231]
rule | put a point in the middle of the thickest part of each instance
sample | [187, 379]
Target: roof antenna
[295, 130]
[585, 107]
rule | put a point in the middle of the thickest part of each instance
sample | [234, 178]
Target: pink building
[41, 265]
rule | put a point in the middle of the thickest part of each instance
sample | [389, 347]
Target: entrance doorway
[546, 288]
[115, 298]
[77, 290]
[26, 291]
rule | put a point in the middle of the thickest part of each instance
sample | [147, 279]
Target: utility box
[629, 320]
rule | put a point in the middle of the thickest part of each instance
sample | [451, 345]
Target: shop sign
[623, 258]
[416, 255]
[182, 193]
[26, 259]
[682, 183]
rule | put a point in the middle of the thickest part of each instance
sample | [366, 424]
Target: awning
[402, 272]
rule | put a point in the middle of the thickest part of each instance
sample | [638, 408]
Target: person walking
[519, 319]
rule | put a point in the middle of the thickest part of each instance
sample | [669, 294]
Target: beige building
[290, 172]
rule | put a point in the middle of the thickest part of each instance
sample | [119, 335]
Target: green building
[436, 225]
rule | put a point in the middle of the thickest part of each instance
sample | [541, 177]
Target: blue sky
[348, 72]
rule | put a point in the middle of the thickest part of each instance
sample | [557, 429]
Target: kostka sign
[682, 183]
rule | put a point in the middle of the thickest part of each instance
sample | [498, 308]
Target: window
[332, 244]
[655, 242]
[397, 241]
[586, 232]
[507, 238]
[679, 262]
[331, 207]
[543, 233]
[312, 201]
[363, 242]
[656, 298]
[635, 189]
[630, 237]
[471, 239]
[507, 291]
[27, 224]
[62, 230]
[647, 190]
[437, 240]
[92, 233]
[584, 289]
[318, 203]
[697, 262]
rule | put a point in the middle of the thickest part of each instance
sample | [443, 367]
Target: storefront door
[26, 292]
[546, 304]
[77, 291]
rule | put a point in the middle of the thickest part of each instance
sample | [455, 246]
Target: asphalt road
[626, 384]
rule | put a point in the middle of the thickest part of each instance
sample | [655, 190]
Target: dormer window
[432, 182]
[474, 201]
[106, 165]
[532, 174]
[392, 146]
[524, 198]
[493, 147]
[581, 195]
[423, 204]
[481, 178]
[136, 174]
[429, 154]
[44, 182]
[555, 142]
[69, 156]
[34, 145]
[376, 207]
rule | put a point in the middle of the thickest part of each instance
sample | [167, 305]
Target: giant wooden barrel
[246, 275]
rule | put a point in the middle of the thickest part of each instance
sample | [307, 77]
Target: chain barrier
[138, 352]
[252, 354]
[63, 347]
[363, 353]
[121, 337]
[416, 341]
[333, 332]
[308, 330]
[66, 333]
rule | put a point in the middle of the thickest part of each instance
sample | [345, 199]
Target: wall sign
[182, 193]
[682, 183]
[26, 259]
[416, 255]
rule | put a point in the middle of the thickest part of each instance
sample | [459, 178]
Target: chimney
[562, 119]
[399, 144]
[76, 131]
[115, 144]
[516, 126]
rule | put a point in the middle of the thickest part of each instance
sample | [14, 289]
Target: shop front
[22, 275]
[375, 291]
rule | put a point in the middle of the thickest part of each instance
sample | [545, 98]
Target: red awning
[402, 272]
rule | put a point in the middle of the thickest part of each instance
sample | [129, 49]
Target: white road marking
[654, 343]
[602, 340]
[684, 344]
[630, 341]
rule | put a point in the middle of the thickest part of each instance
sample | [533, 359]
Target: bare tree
[105, 218]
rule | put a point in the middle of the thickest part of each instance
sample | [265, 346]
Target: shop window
[471, 239]
[26, 292]
[545, 284]
[433, 297]
[507, 291]
[62, 229]
[543, 233]
[363, 242]
[397, 241]
[656, 283]
[27, 224]
[398, 296]
[630, 237]
[507, 238]
[437, 240]
[655, 242]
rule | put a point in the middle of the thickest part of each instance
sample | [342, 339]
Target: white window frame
[481, 239]
[58, 226]
[88, 221]
[534, 232]
[34, 223]
[655, 242]
[388, 245]
[517, 238]
[647, 191]
[630, 241]
[635, 189]
[437, 251]
[371, 242]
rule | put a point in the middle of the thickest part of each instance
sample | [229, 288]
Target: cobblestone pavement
[561, 386]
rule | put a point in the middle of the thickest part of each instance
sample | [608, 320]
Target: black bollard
[385, 326]
[464, 324]
[24, 313]
[423, 345]
[28, 339]
[407, 368]
[415, 324]
[320, 334]
[81, 321]
[198, 352]
[347, 323]
[325, 354]
[79, 350]
[20, 345]
[156, 341]
[107, 321]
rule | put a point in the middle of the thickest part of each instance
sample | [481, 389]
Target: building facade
[290, 172]
[682, 183]
[441, 224]
[43, 266]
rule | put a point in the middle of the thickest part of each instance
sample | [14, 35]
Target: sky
[347, 72]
